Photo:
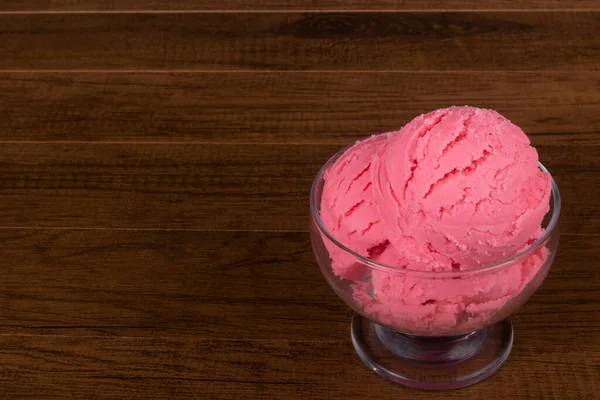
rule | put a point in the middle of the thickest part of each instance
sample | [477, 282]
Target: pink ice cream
[443, 306]
[349, 210]
[460, 188]
[454, 189]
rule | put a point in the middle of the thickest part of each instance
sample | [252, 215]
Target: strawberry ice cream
[460, 188]
[350, 212]
[453, 190]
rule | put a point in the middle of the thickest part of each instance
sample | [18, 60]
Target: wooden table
[155, 164]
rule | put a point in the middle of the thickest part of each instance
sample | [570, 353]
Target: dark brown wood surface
[155, 163]
[285, 107]
[371, 41]
[268, 5]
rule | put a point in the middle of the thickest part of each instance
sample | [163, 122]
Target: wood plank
[298, 107]
[302, 41]
[210, 186]
[82, 367]
[171, 5]
[234, 285]
[166, 284]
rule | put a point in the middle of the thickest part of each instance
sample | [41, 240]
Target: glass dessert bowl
[432, 330]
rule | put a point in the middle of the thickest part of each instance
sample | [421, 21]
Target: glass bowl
[432, 330]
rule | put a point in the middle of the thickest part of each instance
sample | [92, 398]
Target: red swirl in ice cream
[455, 189]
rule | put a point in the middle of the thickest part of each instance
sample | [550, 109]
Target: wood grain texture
[211, 186]
[227, 285]
[189, 315]
[174, 5]
[244, 285]
[91, 367]
[155, 164]
[302, 41]
[295, 107]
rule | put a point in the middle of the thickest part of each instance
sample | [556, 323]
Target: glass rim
[504, 263]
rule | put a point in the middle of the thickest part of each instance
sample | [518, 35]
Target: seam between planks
[299, 11]
[292, 71]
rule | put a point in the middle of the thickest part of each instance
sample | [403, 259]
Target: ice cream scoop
[459, 188]
[348, 208]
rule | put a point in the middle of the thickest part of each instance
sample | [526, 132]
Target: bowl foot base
[432, 363]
